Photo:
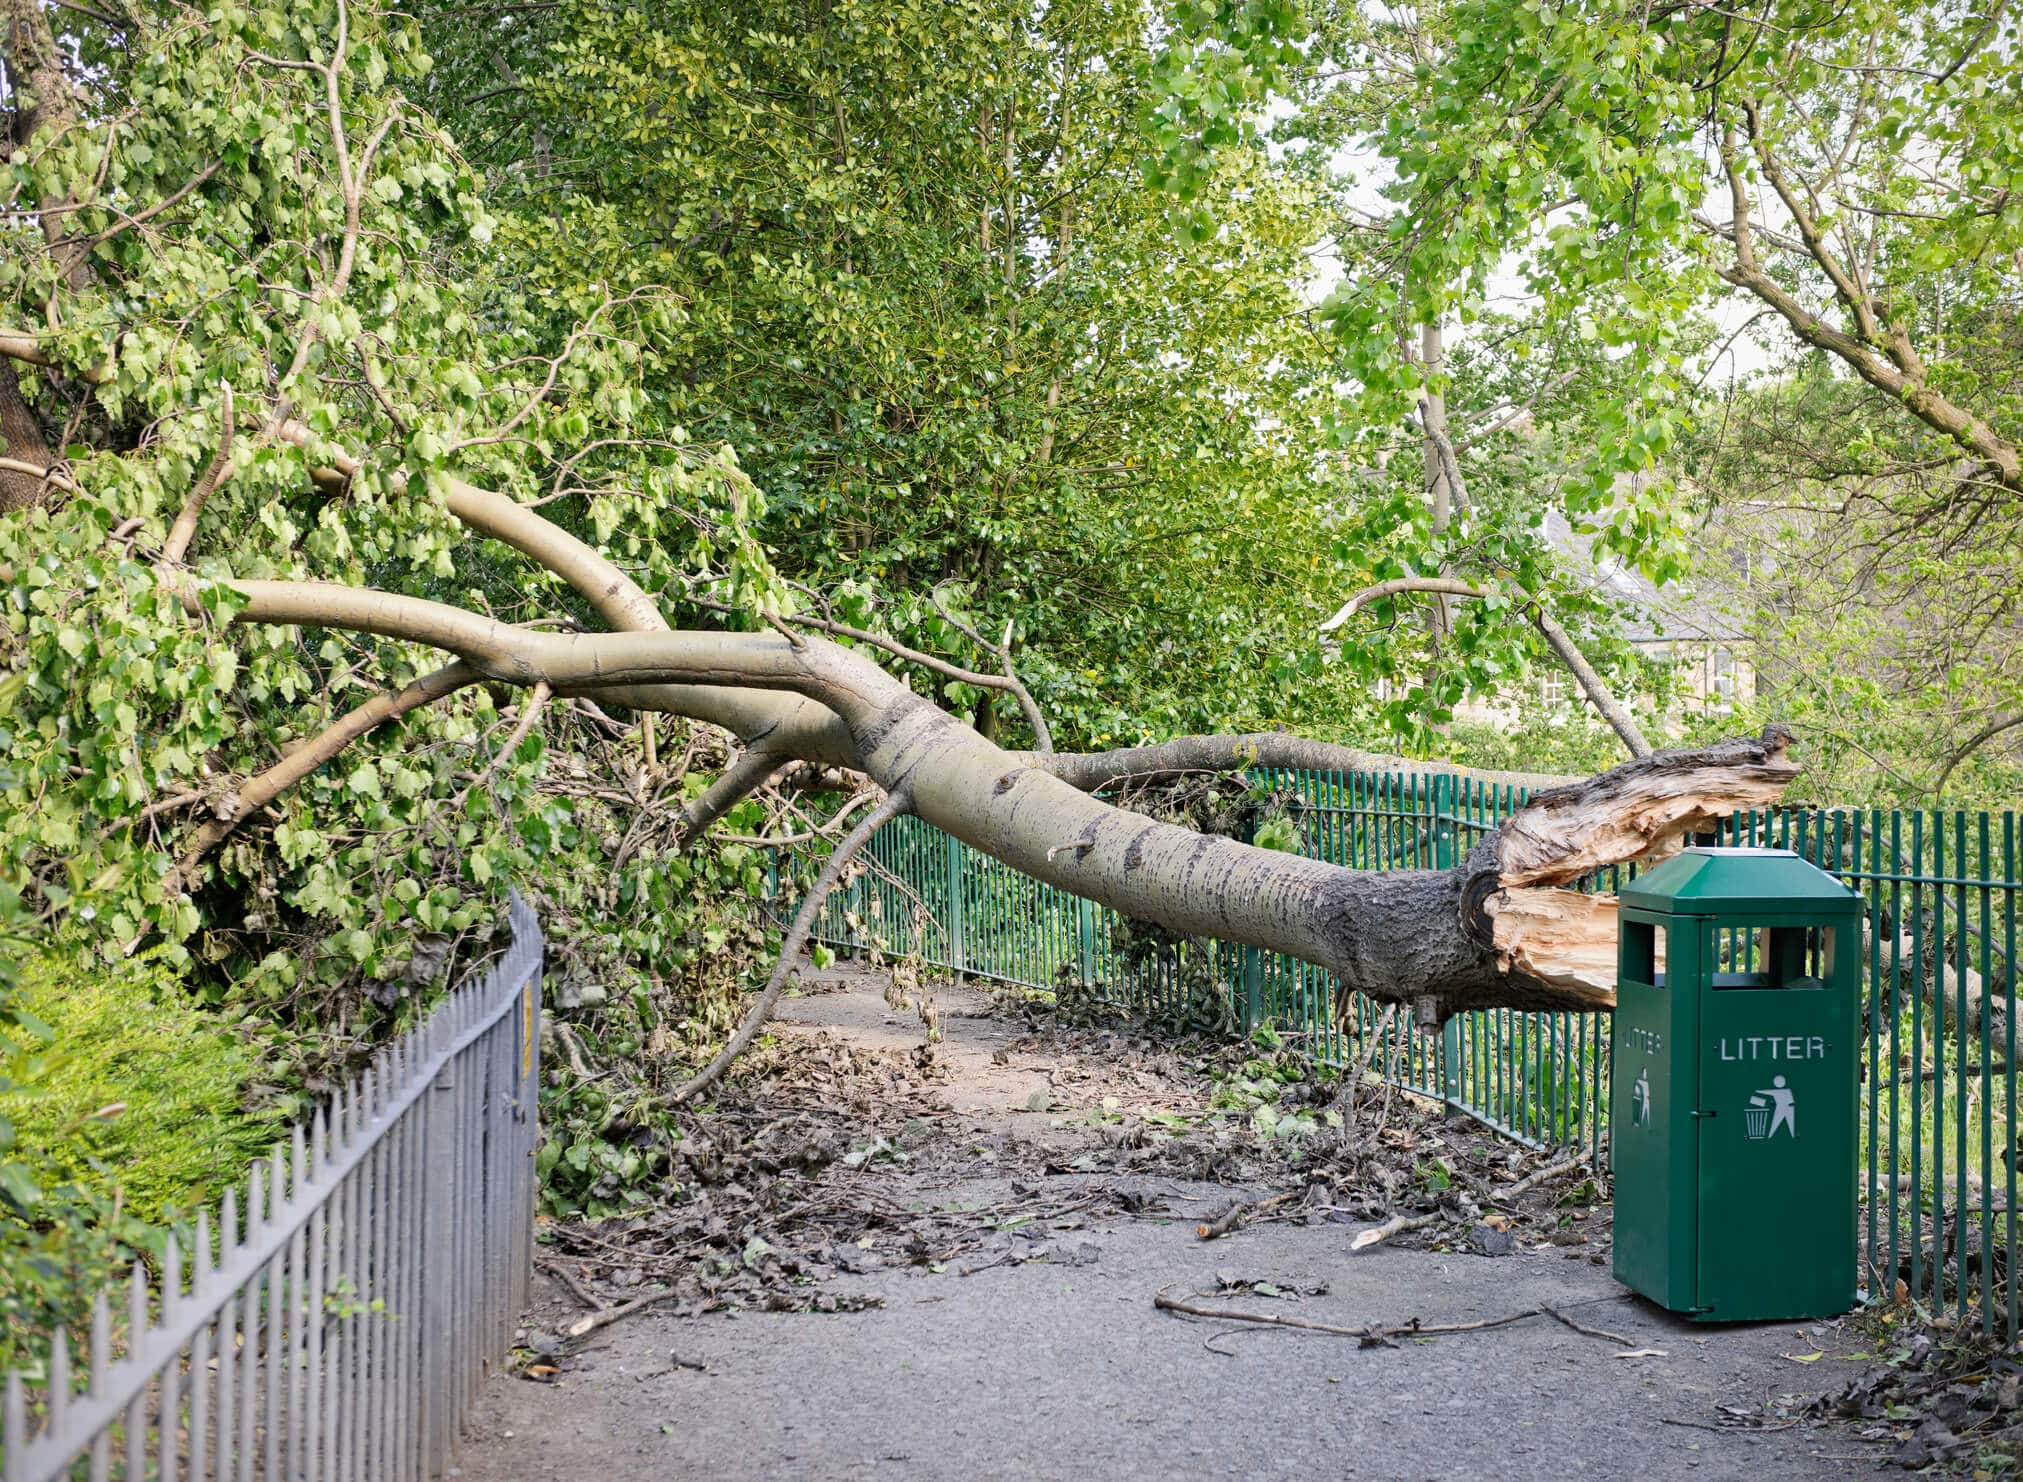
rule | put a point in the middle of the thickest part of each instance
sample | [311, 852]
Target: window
[1721, 679]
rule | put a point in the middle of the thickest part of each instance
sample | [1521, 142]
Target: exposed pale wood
[1645, 809]
[1563, 937]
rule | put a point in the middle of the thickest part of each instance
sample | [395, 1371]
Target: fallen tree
[181, 502]
[1501, 929]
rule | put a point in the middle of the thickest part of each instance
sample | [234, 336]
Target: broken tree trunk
[1470, 937]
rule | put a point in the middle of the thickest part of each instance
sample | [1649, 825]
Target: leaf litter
[820, 1160]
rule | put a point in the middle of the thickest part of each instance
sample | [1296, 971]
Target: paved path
[1063, 1369]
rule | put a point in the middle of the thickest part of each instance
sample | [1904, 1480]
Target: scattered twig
[1397, 1224]
[1726, 1430]
[1586, 1332]
[1542, 1175]
[1375, 1335]
[1239, 1210]
[576, 1288]
[608, 1315]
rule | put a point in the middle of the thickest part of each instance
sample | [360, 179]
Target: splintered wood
[1644, 810]
[1641, 810]
[1563, 937]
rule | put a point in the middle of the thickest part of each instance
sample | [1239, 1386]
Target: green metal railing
[1538, 1078]
[1940, 1135]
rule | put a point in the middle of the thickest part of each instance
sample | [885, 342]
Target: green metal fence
[1940, 1134]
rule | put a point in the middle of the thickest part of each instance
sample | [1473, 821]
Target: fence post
[1253, 987]
[1085, 933]
[441, 1207]
[1443, 859]
[957, 947]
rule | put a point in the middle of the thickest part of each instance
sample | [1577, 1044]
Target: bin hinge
[1701, 1114]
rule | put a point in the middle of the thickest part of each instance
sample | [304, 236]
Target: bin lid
[1704, 881]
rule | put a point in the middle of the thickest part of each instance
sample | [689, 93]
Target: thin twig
[604, 1317]
[1374, 1335]
[576, 1288]
[1543, 1175]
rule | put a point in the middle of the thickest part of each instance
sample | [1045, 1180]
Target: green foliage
[137, 1093]
[1279, 1091]
[212, 186]
[929, 299]
[1593, 154]
[123, 1107]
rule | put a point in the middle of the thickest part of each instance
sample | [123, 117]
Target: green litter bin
[1733, 1086]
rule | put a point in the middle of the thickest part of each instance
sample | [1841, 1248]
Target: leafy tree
[1635, 165]
[926, 295]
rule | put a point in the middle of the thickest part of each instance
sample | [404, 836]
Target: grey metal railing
[337, 1331]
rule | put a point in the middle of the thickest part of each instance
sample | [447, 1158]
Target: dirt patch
[895, 1257]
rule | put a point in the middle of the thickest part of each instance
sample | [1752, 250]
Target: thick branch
[1093, 771]
[1405, 935]
[738, 781]
[258, 791]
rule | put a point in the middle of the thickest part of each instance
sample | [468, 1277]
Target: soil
[881, 1257]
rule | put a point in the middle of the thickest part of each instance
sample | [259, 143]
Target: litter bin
[1733, 1080]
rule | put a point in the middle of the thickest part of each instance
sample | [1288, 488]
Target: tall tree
[1841, 180]
[928, 298]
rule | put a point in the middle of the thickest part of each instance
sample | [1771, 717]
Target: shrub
[121, 1109]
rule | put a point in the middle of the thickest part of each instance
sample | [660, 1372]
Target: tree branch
[1973, 744]
[214, 477]
[260, 790]
[1893, 375]
[737, 782]
[1562, 644]
[1043, 738]
[523, 726]
[790, 948]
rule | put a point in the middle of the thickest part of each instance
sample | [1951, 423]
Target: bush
[121, 1109]
[139, 1095]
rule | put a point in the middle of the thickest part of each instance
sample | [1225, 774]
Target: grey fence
[335, 1323]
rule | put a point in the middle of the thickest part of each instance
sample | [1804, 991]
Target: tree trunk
[24, 444]
[1497, 931]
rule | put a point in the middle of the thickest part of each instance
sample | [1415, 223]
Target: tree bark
[1430, 937]
[24, 443]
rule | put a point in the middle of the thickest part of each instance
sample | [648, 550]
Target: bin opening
[1644, 952]
[1775, 957]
